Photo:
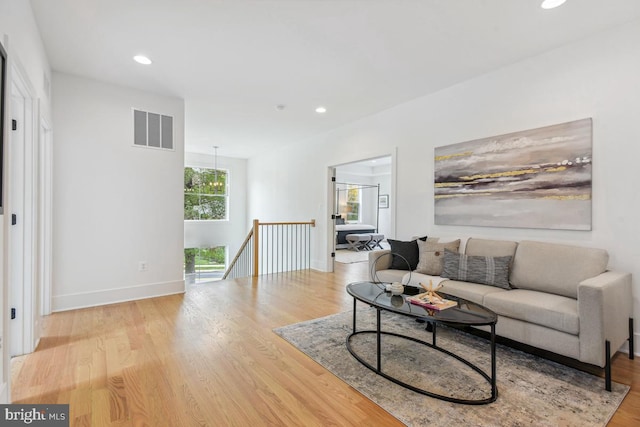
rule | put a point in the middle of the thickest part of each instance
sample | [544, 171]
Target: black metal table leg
[631, 346]
[433, 337]
[378, 336]
[354, 315]
[494, 387]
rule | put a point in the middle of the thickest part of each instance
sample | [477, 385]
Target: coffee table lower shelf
[491, 379]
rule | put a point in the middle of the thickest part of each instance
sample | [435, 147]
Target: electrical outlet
[143, 266]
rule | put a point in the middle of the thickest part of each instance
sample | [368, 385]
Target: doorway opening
[362, 203]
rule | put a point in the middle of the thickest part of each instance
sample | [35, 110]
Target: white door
[16, 232]
[21, 208]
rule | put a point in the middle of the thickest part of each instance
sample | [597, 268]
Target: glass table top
[466, 313]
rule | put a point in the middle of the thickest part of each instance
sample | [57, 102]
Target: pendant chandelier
[215, 184]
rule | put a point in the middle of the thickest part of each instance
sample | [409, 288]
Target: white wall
[598, 77]
[382, 175]
[231, 233]
[115, 204]
[21, 39]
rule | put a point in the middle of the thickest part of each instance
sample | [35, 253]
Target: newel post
[256, 252]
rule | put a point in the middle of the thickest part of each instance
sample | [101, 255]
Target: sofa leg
[607, 366]
[631, 347]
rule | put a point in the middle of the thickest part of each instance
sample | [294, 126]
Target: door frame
[332, 202]
[45, 224]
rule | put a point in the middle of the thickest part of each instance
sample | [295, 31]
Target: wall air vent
[152, 130]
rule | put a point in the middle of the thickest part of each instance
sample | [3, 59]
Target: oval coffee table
[465, 314]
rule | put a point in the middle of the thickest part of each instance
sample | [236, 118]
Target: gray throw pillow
[486, 270]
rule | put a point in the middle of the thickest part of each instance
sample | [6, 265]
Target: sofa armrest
[380, 260]
[605, 304]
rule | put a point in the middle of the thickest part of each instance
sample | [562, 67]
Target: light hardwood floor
[209, 357]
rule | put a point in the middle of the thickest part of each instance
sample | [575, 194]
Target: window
[205, 194]
[353, 204]
[204, 264]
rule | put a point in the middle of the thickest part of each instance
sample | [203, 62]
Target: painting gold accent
[558, 169]
[499, 174]
[574, 197]
[449, 196]
[451, 156]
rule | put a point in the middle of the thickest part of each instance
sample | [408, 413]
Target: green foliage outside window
[204, 258]
[353, 204]
[205, 194]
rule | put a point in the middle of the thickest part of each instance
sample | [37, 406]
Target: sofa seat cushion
[390, 276]
[473, 292]
[549, 310]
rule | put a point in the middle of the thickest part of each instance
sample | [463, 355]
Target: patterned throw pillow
[486, 270]
[431, 255]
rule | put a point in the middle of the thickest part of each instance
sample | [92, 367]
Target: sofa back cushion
[487, 247]
[555, 268]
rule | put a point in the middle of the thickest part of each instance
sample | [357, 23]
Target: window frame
[225, 194]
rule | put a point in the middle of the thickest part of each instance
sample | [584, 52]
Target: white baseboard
[112, 296]
[636, 345]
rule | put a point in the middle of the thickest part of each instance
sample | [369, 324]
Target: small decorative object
[397, 300]
[430, 300]
[431, 293]
[397, 288]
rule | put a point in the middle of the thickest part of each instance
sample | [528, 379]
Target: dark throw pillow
[406, 250]
[487, 270]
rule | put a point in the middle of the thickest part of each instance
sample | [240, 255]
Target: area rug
[347, 256]
[531, 391]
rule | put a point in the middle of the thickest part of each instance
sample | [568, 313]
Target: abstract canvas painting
[538, 178]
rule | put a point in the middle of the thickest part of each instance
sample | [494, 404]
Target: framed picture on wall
[3, 92]
[383, 201]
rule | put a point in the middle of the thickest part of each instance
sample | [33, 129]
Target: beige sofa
[560, 298]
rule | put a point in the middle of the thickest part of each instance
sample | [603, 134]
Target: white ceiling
[234, 61]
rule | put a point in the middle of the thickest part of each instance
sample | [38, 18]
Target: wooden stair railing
[273, 247]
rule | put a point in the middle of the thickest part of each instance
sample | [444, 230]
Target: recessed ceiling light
[321, 110]
[141, 59]
[550, 4]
